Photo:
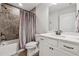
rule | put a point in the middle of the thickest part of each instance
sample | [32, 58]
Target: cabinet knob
[51, 48]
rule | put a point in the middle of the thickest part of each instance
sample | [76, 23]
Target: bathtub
[8, 48]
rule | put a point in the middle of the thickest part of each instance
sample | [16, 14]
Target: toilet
[32, 48]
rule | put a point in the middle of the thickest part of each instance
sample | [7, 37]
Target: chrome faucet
[58, 32]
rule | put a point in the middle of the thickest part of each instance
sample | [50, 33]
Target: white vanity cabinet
[44, 47]
[55, 47]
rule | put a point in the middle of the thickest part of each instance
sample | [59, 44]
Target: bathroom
[39, 29]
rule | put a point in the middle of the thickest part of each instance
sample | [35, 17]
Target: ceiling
[26, 6]
[52, 7]
[60, 6]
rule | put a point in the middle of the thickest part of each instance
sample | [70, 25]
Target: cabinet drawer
[70, 47]
[61, 52]
[52, 42]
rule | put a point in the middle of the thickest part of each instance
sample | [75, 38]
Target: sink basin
[61, 36]
[53, 34]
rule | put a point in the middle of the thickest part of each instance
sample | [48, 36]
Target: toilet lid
[30, 47]
[31, 44]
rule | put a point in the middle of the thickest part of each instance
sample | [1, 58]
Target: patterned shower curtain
[27, 27]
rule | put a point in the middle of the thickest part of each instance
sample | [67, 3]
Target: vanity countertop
[69, 38]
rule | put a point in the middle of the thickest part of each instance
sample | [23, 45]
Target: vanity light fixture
[20, 4]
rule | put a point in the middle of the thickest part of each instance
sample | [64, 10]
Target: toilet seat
[31, 45]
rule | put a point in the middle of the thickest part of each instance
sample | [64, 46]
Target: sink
[61, 36]
[53, 34]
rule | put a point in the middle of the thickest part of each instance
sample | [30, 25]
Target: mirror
[62, 16]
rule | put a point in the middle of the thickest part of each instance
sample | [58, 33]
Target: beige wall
[9, 22]
[42, 21]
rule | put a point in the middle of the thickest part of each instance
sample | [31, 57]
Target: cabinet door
[51, 50]
[44, 48]
[60, 53]
[41, 47]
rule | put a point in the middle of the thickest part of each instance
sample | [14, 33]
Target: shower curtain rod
[19, 8]
[15, 6]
